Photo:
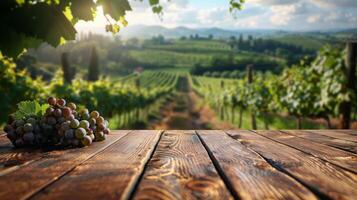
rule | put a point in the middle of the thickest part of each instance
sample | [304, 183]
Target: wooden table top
[200, 164]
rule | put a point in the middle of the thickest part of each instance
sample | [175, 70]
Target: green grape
[92, 136]
[84, 124]
[94, 114]
[80, 133]
[72, 106]
[92, 122]
[86, 140]
[85, 116]
[74, 123]
[28, 127]
[100, 120]
[99, 136]
[83, 111]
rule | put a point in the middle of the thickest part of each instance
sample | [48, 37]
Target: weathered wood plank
[321, 177]
[338, 157]
[323, 139]
[250, 176]
[12, 158]
[112, 174]
[337, 134]
[181, 169]
[31, 178]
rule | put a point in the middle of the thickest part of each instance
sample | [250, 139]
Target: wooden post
[346, 107]
[250, 80]
[67, 72]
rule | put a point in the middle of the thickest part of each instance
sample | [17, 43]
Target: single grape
[52, 101]
[84, 124]
[92, 122]
[72, 106]
[28, 127]
[101, 126]
[28, 137]
[92, 136]
[86, 140]
[32, 121]
[66, 111]
[51, 120]
[19, 130]
[80, 133]
[85, 116]
[49, 111]
[57, 112]
[69, 134]
[74, 123]
[106, 131]
[19, 123]
[84, 110]
[100, 120]
[65, 125]
[70, 117]
[61, 102]
[94, 114]
[75, 114]
[99, 136]
[11, 135]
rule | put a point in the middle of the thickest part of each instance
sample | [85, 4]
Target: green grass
[303, 41]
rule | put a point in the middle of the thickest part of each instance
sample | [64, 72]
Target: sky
[296, 15]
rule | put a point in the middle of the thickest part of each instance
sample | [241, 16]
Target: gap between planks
[319, 176]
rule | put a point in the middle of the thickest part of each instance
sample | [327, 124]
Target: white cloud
[313, 19]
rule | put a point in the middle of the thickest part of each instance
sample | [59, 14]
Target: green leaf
[83, 9]
[28, 108]
[115, 8]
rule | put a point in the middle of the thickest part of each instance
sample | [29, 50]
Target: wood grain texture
[323, 139]
[112, 174]
[338, 157]
[181, 169]
[31, 178]
[321, 177]
[343, 135]
[249, 174]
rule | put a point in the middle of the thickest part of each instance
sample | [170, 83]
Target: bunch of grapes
[23, 132]
[62, 124]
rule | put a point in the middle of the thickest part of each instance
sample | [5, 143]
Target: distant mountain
[150, 31]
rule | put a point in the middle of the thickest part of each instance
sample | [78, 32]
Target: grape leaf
[29, 108]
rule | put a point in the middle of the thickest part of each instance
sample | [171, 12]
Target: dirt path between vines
[185, 112]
